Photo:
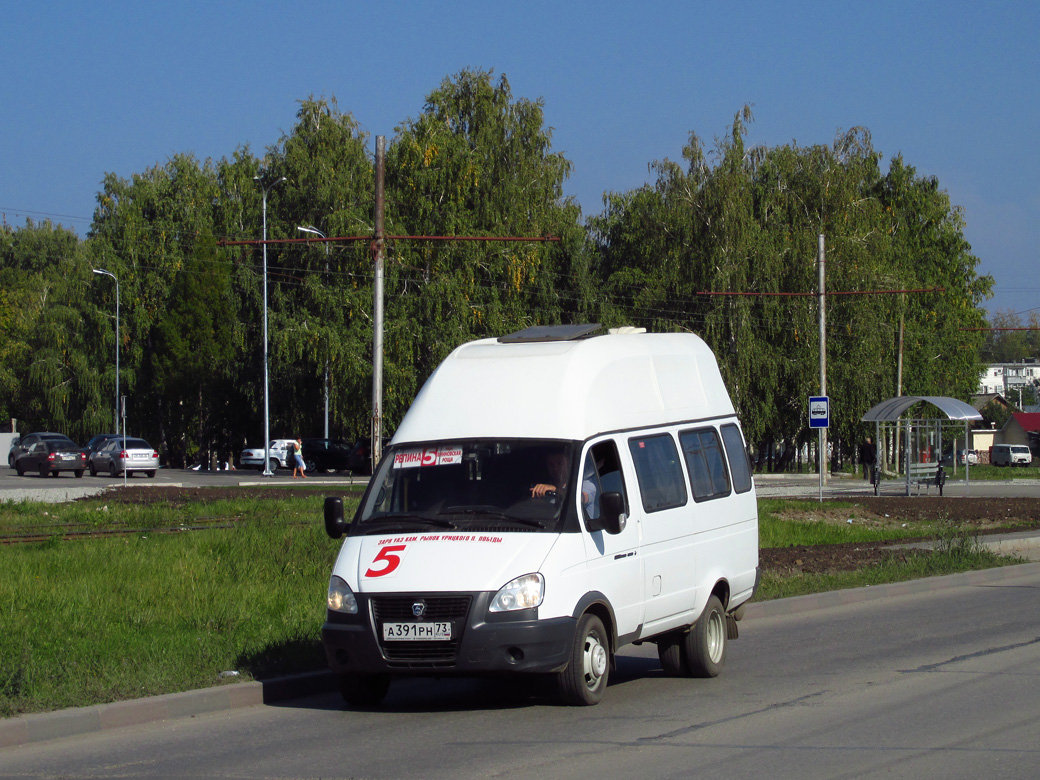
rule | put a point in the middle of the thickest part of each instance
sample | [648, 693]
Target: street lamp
[103, 272]
[267, 420]
[315, 231]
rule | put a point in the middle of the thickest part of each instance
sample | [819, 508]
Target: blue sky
[953, 86]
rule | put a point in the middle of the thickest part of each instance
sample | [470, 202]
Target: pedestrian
[296, 453]
[868, 457]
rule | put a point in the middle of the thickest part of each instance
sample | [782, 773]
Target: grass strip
[111, 618]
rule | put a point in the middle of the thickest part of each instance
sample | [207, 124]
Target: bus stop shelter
[923, 436]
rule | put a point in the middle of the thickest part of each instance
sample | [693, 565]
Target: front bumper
[481, 642]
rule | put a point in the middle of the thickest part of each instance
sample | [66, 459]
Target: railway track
[82, 531]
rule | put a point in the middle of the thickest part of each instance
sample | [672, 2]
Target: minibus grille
[421, 654]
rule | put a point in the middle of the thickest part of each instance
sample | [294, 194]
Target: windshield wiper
[490, 511]
[407, 518]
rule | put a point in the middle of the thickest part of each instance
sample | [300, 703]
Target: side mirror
[335, 525]
[612, 517]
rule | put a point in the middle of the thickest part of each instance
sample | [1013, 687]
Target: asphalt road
[934, 680]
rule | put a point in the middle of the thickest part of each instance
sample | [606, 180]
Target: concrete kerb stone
[840, 598]
[44, 726]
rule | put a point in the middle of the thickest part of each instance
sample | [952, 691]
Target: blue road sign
[819, 411]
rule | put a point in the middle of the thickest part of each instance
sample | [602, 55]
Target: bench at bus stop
[927, 475]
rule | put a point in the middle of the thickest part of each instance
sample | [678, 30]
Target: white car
[279, 455]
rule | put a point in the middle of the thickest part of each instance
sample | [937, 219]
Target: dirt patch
[985, 515]
[179, 496]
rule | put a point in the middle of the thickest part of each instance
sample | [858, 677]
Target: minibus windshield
[505, 484]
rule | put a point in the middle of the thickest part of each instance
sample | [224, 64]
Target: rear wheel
[584, 680]
[79, 473]
[150, 473]
[44, 471]
[705, 644]
[364, 690]
[673, 660]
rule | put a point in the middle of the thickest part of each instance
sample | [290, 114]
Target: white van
[549, 497]
[1011, 455]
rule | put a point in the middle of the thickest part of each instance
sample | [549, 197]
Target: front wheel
[364, 690]
[112, 470]
[273, 465]
[584, 681]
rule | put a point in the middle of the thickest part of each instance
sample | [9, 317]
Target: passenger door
[614, 564]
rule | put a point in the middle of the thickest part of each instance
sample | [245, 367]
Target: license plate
[70, 457]
[139, 456]
[417, 632]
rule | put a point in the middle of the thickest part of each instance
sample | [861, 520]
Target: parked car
[360, 461]
[326, 455]
[22, 445]
[971, 457]
[119, 455]
[96, 442]
[1011, 455]
[255, 457]
[50, 456]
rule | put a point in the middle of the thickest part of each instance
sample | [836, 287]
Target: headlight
[522, 593]
[341, 597]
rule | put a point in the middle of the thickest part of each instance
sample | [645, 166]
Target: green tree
[48, 341]
[476, 162]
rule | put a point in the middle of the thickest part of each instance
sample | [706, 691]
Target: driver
[556, 463]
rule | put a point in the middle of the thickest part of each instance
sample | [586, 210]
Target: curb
[840, 598]
[40, 727]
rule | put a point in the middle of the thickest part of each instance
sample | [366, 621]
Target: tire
[44, 471]
[150, 473]
[364, 690]
[705, 643]
[20, 470]
[79, 473]
[112, 470]
[93, 471]
[673, 659]
[274, 464]
[584, 681]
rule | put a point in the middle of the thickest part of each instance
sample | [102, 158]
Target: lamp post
[315, 231]
[103, 272]
[267, 420]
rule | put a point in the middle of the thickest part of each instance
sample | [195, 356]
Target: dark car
[50, 456]
[361, 455]
[326, 455]
[97, 442]
[22, 445]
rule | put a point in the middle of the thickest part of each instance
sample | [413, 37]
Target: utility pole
[378, 256]
[824, 461]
